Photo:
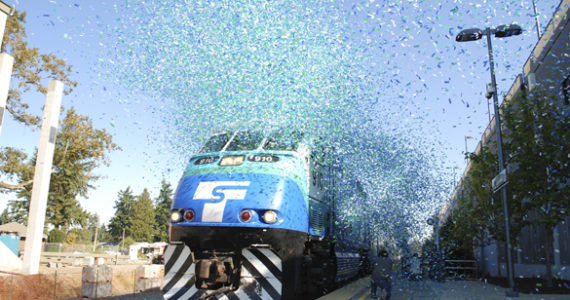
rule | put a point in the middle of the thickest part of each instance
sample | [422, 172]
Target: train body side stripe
[267, 262]
[178, 275]
[261, 280]
[188, 291]
[250, 294]
[179, 262]
[254, 289]
[172, 252]
[232, 296]
[271, 255]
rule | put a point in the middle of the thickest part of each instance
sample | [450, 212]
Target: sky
[161, 76]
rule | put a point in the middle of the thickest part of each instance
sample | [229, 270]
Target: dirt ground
[61, 283]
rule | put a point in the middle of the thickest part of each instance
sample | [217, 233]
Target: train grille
[317, 216]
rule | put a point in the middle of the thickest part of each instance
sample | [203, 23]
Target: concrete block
[96, 281]
[148, 271]
[83, 261]
[145, 284]
[95, 290]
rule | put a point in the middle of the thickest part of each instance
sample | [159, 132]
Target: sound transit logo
[219, 192]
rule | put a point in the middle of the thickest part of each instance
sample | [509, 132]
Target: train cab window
[216, 143]
[246, 140]
[283, 140]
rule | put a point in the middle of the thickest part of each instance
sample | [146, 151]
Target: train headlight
[270, 217]
[189, 215]
[232, 160]
[245, 215]
[175, 216]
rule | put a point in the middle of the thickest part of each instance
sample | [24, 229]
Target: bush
[71, 237]
[83, 235]
[56, 236]
[129, 241]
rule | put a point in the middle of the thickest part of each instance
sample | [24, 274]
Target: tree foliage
[163, 203]
[142, 223]
[539, 139]
[485, 205]
[124, 206]
[30, 71]
[538, 143]
[56, 236]
[79, 150]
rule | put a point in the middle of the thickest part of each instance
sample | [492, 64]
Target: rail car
[264, 216]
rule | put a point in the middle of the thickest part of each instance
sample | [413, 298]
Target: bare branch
[15, 186]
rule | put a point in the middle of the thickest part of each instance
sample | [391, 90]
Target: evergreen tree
[143, 220]
[16, 211]
[4, 217]
[79, 150]
[103, 235]
[123, 217]
[163, 203]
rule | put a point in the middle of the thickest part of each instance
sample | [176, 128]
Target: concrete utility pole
[96, 231]
[42, 175]
[6, 61]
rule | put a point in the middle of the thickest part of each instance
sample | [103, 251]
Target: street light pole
[510, 269]
[536, 19]
[472, 35]
[6, 61]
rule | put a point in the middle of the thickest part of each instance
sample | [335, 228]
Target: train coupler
[214, 271]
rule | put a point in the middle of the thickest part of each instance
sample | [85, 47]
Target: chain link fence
[84, 248]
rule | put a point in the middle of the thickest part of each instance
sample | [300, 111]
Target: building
[13, 235]
[547, 67]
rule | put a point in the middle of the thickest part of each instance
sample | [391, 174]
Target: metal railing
[461, 268]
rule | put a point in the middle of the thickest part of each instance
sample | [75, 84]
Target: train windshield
[283, 140]
[246, 140]
[216, 143]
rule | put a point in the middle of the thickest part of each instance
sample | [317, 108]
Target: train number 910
[263, 158]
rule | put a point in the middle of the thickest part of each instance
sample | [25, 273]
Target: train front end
[239, 219]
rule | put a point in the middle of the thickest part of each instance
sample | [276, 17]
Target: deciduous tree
[31, 70]
[538, 143]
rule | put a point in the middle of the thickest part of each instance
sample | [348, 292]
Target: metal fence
[82, 248]
[461, 269]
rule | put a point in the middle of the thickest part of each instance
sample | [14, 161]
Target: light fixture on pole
[7, 9]
[474, 34]
[467, 137]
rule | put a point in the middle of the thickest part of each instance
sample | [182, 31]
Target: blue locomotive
[263, 216]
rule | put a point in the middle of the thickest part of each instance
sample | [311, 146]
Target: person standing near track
[382, 274]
